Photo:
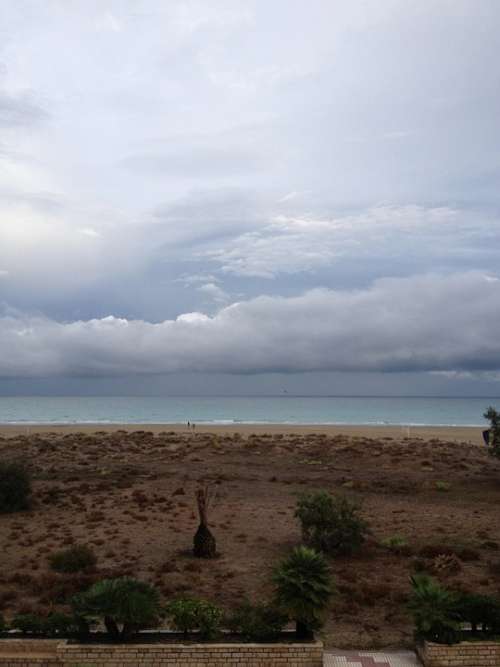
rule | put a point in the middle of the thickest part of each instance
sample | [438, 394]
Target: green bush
[330, 523]
[189, 614]
[303, 589]
[29, 624]
[257, 623]
[494, 437]
[183, 614]
[53, 625]
[209, 620]
[397, 544]
[439, 613]
[78, 558]
[59, 624]
[133, 605]
[3, 624]
[442, 486]
[15, 487]
[434, 610]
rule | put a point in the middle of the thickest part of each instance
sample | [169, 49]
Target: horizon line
[282, 395]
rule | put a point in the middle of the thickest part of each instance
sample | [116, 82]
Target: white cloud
[423, 323]
[288, 197]
[295, 244]
[194, 279]
[214, 292]
[109, 22]
[88, 231]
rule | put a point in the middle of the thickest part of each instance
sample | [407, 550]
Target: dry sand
[468, 434]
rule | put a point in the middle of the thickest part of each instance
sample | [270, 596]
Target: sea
[285, 409]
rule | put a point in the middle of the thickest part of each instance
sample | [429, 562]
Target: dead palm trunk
[204, 545]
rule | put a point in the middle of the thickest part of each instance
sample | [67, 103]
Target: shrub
[29, 624]
[15, 487]
[3, 624]
[330, 523]
[189, 614]
[257, 623]
[59, 624]
[77, 558]
[442, 486]
[494, 435]
[209, 620]
[434, 610]
[182, 614]
[446, 564]
[396, 544]
[303, 589]
[55, 624]
[480, 611]
[125, 602]
[463, 551]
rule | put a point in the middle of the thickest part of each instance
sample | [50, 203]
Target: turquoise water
[234, 410]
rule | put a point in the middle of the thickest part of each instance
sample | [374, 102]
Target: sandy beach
[469, 434]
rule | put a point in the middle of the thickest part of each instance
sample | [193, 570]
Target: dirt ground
[130, 495]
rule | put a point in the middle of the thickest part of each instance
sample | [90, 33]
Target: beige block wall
[160, 655]
[464, 654]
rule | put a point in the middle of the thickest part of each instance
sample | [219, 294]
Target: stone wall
[48, 653]
[23, 652]
[464, 654]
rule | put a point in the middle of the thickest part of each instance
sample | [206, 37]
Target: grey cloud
[196, 162]
[424, 323]
[204, 214]
[424, 236]
[20, 110]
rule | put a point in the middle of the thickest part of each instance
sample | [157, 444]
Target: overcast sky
[249, 196]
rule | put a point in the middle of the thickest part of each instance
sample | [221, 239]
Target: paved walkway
[370, 659]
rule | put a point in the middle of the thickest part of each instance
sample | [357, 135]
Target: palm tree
[434, 610]
[303, 589]
[125, 601]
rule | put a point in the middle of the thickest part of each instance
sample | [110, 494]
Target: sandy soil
[129, 493]
[451, 433]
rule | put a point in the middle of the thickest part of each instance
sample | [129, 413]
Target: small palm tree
[434, 610]
[303, 589]
[133, 604]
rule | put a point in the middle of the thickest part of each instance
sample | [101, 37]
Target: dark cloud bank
[425, 323]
